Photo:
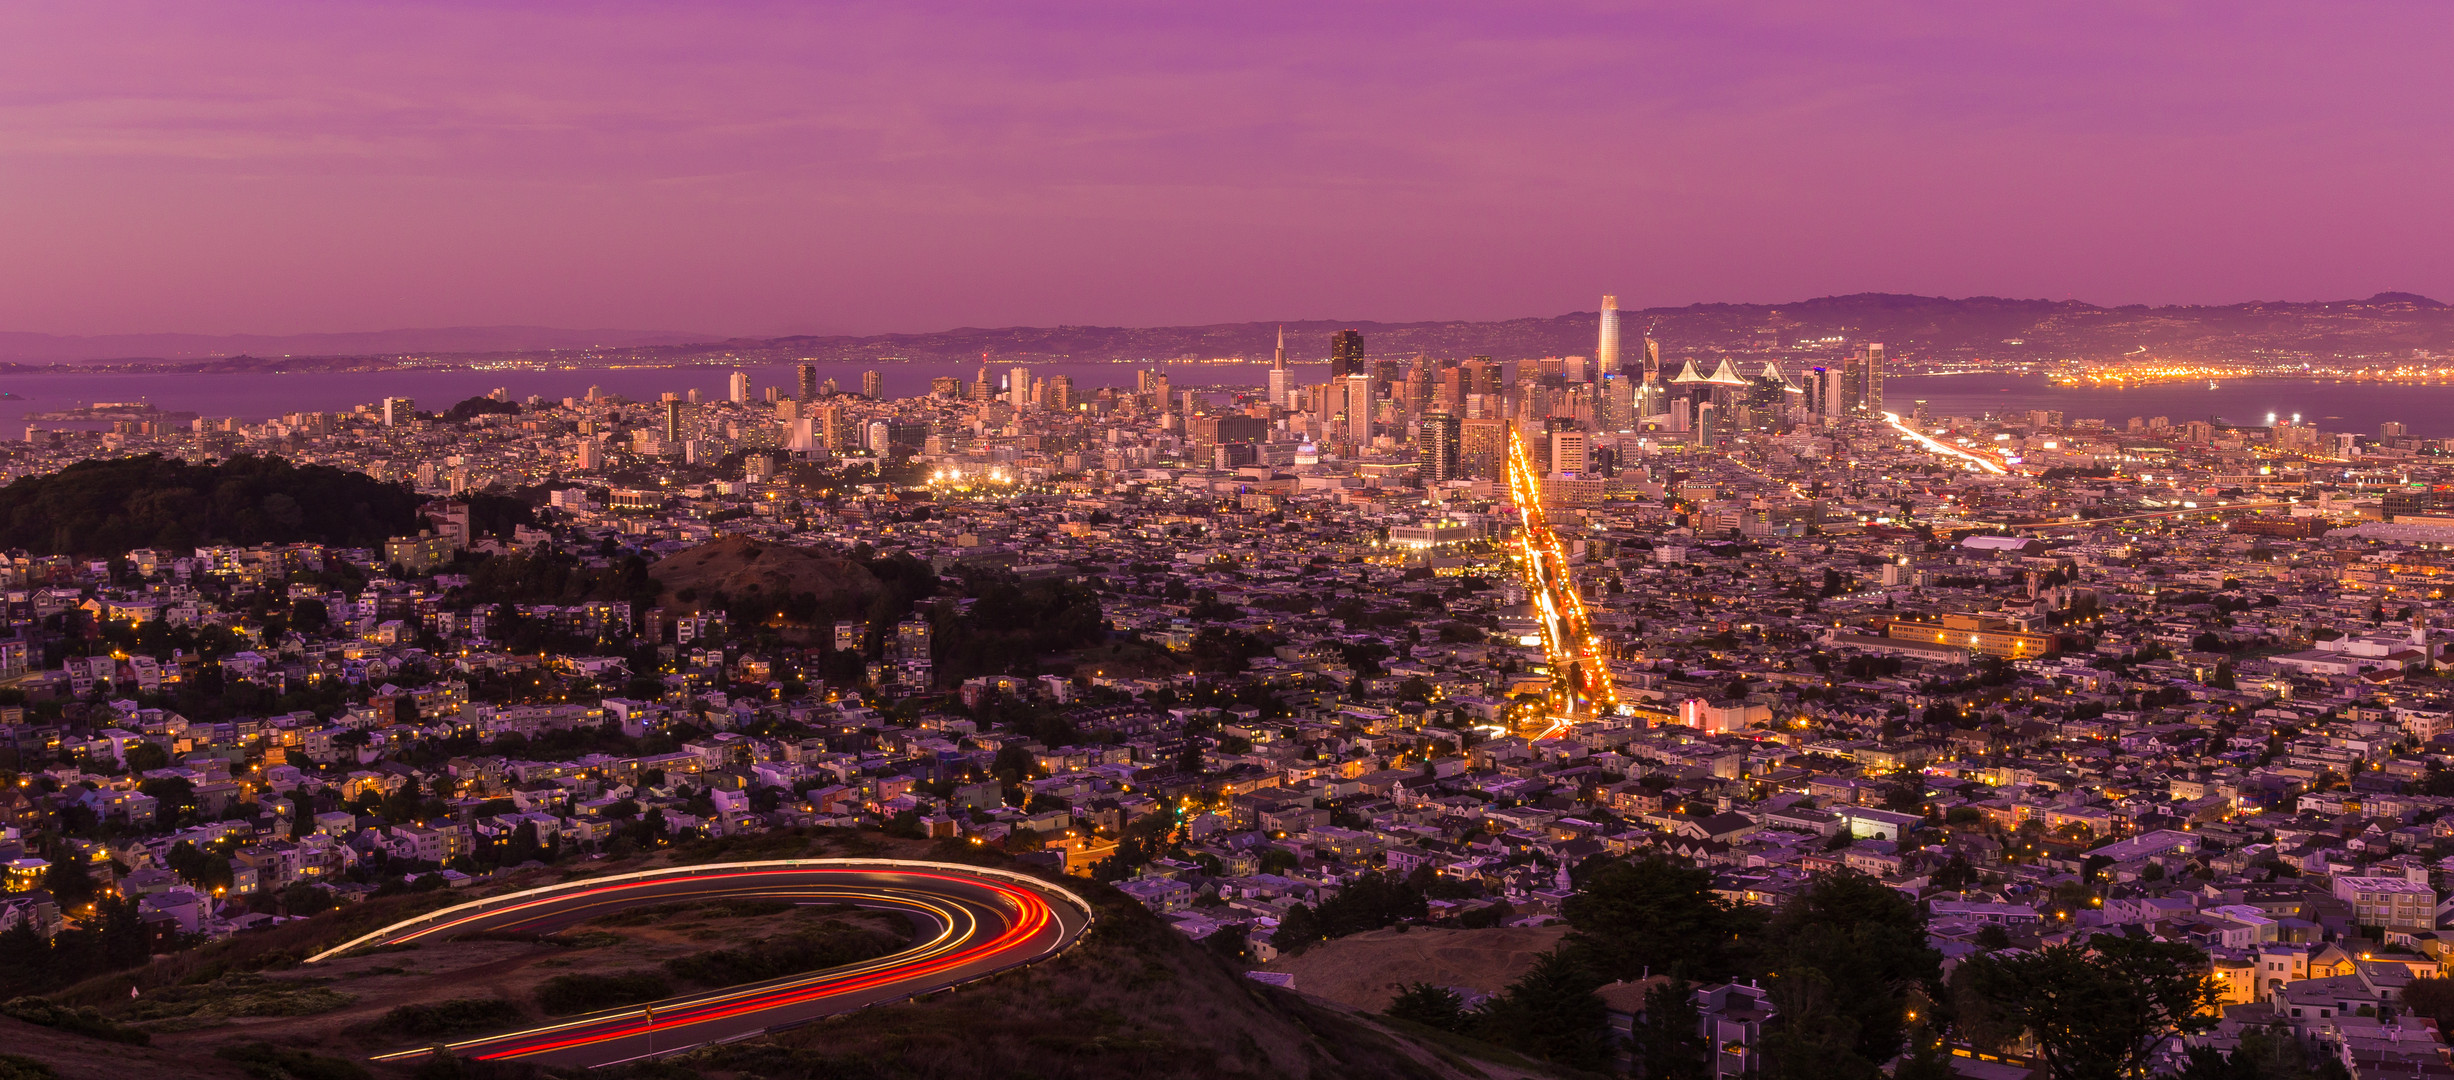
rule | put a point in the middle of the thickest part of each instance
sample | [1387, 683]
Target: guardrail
[491, 902]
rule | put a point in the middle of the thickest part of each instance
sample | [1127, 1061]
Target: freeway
[972, 922]
[1980, 461]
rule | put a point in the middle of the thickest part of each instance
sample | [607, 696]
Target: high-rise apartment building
[1346, 354]
[805, 385]
[673, 420]
[873, 385]
[1018, 386]
[738, 388]
[1439, 446]
[399, 410]
[835, 429]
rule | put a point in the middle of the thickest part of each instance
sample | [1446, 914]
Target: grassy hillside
[1366, 970]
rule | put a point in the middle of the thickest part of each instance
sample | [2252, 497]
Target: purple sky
[752, 168]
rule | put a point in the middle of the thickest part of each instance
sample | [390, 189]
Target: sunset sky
[759, 169]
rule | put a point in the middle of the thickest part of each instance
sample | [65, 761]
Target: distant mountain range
[25, 348]
[1939, 328]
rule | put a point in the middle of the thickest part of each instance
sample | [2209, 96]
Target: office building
[1282, 382]
[1346, 354]
[1606, 352]
[1357, 408]
[1482, 448]
[399, 410]
[1862, 387]
[1570, 453]
[806, 386]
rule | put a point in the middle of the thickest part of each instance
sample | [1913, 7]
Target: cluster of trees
[1856, 990]
[1369, 903]
[111, 506]
[1010, 626]
[471, 408]
[556, 577]
[110, 937]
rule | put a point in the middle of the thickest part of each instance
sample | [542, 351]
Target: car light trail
[984, 921]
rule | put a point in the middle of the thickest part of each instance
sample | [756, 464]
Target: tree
[2432, 998]
[1296, 929]
[1552, 1013]
[1431, 1006]
[1814, 1040]
[145, 757]
[1369, 903]
[2097, 1010]
[1867, 942]
[1655, 916]
[2261, 1055]
[71, 882]
[1667, 1042]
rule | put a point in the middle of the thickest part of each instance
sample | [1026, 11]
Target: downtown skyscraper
[1606, 351]
[1346, 354]
[1282, 382]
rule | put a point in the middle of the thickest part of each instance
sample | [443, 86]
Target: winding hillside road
[974, 921]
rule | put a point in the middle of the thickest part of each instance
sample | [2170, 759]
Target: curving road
[974, 922]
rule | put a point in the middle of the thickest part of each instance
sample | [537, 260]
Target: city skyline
[1327, 541]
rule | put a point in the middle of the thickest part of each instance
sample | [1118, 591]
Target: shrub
[278, 1063]
[453, 1017]
[44, 1012]
[563, 995]
[20, 1067]
[825, 945]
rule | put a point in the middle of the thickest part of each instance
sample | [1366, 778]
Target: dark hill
[105, 507]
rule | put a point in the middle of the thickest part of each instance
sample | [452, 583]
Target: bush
[276, 1063]
[44, 1012]
[825, 945]
[453, 1017]
[239, 994]
[19, 1067]
[563, 995]
[1431, 1006]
